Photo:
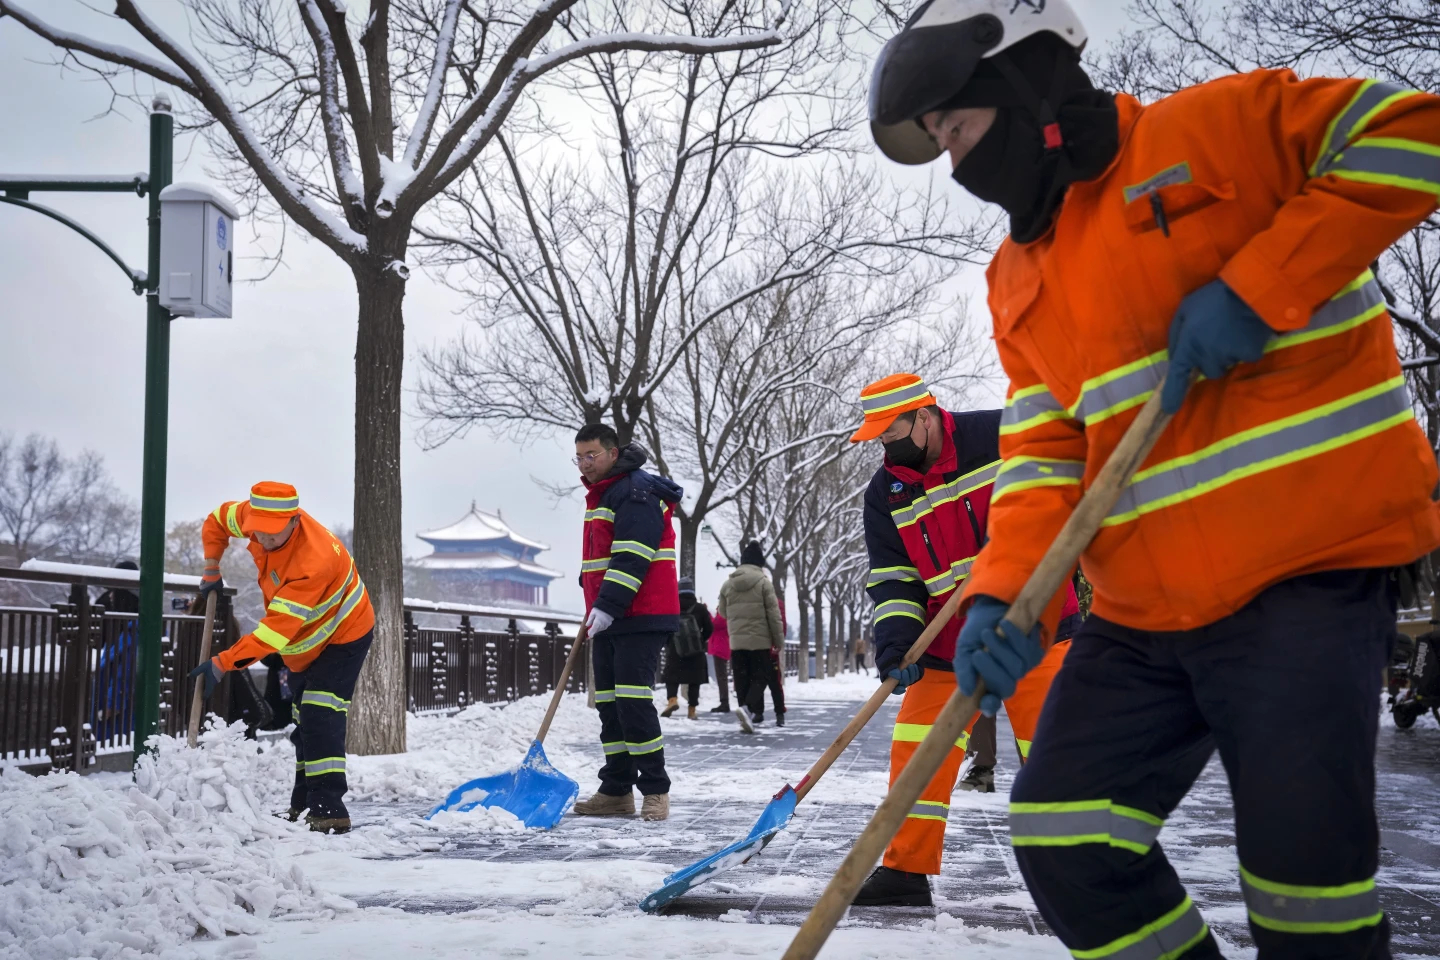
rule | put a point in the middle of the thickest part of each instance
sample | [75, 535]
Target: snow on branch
[352, 192]
[425, 120]
[110, 53]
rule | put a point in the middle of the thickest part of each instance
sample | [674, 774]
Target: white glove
[598, 621]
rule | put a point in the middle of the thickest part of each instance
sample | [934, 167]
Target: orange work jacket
[313, 594]
[1309, 459]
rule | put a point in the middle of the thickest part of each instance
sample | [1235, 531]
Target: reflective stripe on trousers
[1072, 823]
[1162, 939]
[1290, 908]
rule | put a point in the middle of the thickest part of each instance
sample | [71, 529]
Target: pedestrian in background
[685, 653]
[748, 603]
[719, 647]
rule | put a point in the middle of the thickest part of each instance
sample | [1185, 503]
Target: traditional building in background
[479, 559]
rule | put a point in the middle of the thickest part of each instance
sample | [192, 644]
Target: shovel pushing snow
[535, 791]
[778, 812]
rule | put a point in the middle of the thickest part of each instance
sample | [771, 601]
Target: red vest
[659, 592]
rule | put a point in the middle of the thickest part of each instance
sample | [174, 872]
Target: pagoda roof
[487, 562]
[477, 526]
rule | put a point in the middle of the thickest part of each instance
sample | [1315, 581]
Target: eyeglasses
[586, 460]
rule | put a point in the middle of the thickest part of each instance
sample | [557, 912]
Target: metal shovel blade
[535, 792]
[772, 820]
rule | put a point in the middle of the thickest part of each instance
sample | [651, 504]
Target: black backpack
[688, 640]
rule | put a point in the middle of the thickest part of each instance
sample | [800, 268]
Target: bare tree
[61, 508]
[350, 143]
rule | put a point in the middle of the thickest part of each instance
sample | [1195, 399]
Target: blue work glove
[905, 676]
[1212, 331]
[212, 673]
[1001, 658]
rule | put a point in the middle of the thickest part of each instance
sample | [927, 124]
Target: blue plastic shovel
[535, 791]
[779, 811]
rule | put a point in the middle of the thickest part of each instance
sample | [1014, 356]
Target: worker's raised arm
[1359, 161]
[1042, 453]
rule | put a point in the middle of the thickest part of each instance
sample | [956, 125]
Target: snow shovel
[535, 791]
[777, 814]
[1044, 582]
[197, 702]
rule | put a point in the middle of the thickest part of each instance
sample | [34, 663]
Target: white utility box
[197, 250]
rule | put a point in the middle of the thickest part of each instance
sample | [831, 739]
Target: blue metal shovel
[779, 811]
[535, 791]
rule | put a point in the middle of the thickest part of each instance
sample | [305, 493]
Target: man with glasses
[632, 606]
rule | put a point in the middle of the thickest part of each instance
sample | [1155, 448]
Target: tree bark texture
[377, 718]
[689, 536]
[804, 606]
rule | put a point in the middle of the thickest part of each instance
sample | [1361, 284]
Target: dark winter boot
[980, 779]
[723, 708]
[779, 718]
[670, 707]
[329, 824]
[894, 888]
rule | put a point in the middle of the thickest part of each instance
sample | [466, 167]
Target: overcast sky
[266, 395]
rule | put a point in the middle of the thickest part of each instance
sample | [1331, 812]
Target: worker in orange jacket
[1246, 582]
[317, 617]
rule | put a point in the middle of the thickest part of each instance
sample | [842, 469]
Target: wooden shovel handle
[872, 706]
[560, 684]
[197, 700]
[1050, 573]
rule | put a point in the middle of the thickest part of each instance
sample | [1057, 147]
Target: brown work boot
[329, 824]
[671, 707]
[604, 805]
[691, 714]
[655, 807]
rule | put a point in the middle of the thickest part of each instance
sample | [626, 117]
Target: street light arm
[136, 277]
[75, 43]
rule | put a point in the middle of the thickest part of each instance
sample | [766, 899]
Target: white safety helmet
[932, 58]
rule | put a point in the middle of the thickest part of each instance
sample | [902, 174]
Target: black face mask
[905, 452]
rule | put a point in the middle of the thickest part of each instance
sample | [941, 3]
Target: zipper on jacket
[925, 535]
[974, 524]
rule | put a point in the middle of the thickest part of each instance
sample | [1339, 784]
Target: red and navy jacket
[923, 532]
[628, 558]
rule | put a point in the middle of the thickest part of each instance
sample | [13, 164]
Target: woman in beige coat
[748, 604]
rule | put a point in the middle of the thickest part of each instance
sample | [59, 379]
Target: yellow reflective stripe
[600, 513]
[899, 608]
[1294, 908]
[614, 746]
[925, 503]
[622, 578]
[630, 691]
[274, 504]
[649, 746]
[594, 566]
[290, 608]
[879, 575]
[271, 637]
[1370, 100]
[323, 698]
[632, 546]
[1263, 448]
[895, 397]
[1024, 747]
[1391, 161]
[604, 696]
[668, 553]
[1025, 473]
[317, 768]
[929, 810]
[915, 732]
[232, 522]
[1029, 408]
[1170, 936]
[1118, 390]
[327, 629]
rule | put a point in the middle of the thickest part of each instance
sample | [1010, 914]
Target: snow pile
[845, 686]
[97, 867]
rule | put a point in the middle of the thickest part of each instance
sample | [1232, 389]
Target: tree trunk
[822, 668]
[377, 717]
[804, 636]
[689, 536]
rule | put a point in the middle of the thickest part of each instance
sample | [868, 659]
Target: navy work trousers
[629, 726]
[1287, 689]
[320, 699]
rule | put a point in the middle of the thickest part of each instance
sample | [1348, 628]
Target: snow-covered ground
[186, 861]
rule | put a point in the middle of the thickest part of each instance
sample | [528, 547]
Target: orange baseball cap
[886, 399]
[271, 506]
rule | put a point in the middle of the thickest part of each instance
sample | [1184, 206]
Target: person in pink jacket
[719, 649]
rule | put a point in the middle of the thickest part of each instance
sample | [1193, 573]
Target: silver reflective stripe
[604, 696]
[273, 504]
[898, 397]
[613, 748]
[1168, 937]
[1360, 301]
[1086, 821]
[899, 608]
[316, 768]
[323, 698]
[1372, 98]
[1120, 389]
[1022, 473]
[930, 810]
[882, 574]
[594, 566]
[945, 582]
[1029, 408]
[932, 498]
[1302, 909]
[1401, 163]
[1264, 448]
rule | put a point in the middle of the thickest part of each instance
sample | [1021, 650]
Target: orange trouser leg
[917, 847]
[1023, 708]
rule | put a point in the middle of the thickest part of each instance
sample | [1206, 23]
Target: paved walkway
[981, 882]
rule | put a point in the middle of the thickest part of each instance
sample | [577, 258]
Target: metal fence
[68, 671]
